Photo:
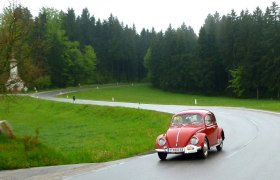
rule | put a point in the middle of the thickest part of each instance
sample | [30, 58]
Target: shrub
[30, 142]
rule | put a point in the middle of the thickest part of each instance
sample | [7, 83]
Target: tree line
[59, 49]
[236, 55]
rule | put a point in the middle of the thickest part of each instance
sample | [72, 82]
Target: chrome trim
[162, 138]
[177, 139]
[196, 139]
[214, 145]
[219, 143]
[194, 149]
[160, 150]
[205, 149]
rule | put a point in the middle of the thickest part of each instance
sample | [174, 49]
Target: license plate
[176, 150]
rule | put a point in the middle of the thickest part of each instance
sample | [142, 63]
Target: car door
[211, 129]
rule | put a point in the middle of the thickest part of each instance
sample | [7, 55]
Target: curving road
[251, 150]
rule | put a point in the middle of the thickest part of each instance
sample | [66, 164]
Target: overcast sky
[149, 13]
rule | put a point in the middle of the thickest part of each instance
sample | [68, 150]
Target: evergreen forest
[234, 54]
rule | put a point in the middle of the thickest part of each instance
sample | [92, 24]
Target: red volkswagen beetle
[191, 131]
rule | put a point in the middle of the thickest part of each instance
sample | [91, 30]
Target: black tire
[204, 150]
[162, 156]
[220, 146]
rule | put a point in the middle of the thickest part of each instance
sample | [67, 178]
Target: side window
[214, 118]
[208, 119]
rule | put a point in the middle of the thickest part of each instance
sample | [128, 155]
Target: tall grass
[73, 133]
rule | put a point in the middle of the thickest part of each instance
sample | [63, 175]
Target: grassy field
[73, 133]
[146, 94]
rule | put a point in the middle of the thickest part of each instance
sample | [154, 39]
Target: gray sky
[149, 13]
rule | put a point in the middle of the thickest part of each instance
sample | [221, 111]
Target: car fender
[221, 134]
[201, 137]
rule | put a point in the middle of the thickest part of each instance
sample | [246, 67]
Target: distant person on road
[74, 99]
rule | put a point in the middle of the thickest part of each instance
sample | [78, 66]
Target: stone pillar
[6, 129]
[14, 83]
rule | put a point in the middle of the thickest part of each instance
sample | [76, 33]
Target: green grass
[147, 94]
[14, 155]
[73, 133]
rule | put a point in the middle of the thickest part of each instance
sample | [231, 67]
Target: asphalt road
[251, 151]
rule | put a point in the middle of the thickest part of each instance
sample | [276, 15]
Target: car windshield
[181, 119]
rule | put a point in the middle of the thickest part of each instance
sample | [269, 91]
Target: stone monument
[6, 129]
[14, 83]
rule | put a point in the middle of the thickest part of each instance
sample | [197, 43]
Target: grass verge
[73, 133]
[145, 93]
[14, 154]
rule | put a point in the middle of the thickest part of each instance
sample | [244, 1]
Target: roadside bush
[30, 142]
[42, 82]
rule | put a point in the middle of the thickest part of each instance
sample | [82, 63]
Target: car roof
[194, 111]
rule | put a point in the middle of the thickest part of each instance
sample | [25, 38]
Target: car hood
[180, 136]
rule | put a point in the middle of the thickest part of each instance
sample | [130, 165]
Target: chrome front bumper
[185, 150]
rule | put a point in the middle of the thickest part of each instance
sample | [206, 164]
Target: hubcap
[205, 148]
[221, 144]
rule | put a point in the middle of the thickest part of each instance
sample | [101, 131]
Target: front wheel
[162, 156]
[204, 150]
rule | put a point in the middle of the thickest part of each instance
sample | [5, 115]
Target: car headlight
[194, 140]
[161, 141]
